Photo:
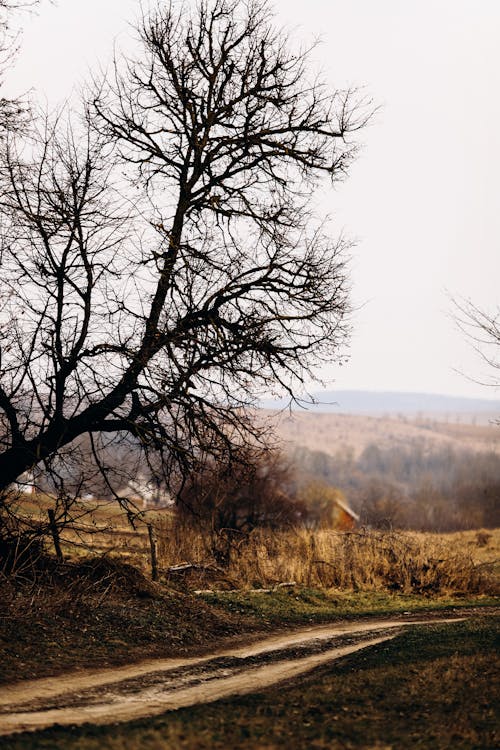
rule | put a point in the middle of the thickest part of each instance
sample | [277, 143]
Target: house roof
[347, 509]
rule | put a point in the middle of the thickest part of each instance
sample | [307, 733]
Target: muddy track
[153, 687]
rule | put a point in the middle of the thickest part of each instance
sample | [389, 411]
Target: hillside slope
[328, 432]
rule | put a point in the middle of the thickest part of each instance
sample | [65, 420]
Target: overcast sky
[422, 199]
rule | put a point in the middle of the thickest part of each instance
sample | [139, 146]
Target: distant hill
[330, 432]
[378, 403]
[436, 459]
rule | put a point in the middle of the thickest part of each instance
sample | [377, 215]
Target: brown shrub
[226, 502]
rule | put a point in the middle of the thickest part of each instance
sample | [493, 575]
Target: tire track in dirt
[153, 687]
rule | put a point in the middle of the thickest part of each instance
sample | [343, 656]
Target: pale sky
[422, 199]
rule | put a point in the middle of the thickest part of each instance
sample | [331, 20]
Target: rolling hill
[389, 403]
[328, 432]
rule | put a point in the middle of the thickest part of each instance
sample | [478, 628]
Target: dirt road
[153, 687]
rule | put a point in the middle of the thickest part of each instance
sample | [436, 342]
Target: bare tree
[163, 268]
[226, 501]
[11, 110]
[482, 328]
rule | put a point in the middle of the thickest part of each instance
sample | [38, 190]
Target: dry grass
[463, 562]
[365, 560]
[325, 432]
[97, 527]
[483, 545]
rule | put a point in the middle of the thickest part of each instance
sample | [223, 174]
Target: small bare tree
[163, 267]
[224, 502]
[482, 328]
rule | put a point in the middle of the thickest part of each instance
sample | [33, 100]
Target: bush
[225, 502]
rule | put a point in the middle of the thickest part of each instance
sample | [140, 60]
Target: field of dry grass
[460, 562]
[327, 432]
[97, 527]
[401, 561]
[362, 560]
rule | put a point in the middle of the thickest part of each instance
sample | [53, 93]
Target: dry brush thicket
[189, 556]
[364, 559]
[239, 529]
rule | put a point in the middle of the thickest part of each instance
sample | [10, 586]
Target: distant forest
[413, 486]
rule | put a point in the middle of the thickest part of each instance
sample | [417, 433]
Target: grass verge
[431, 687]
[301, 605]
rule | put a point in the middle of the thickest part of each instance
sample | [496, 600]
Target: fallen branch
[286, 584]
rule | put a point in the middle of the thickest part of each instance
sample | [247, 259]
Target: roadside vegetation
[405, 562]
[100, 610]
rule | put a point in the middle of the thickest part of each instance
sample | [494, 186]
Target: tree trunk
[13, 463]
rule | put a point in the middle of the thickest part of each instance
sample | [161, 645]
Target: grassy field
[325, 432]
[300, 605]
[98, 527]
[432, 688]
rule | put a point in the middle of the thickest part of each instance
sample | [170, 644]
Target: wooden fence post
[55, 534]
[153, 543]
[312, 552]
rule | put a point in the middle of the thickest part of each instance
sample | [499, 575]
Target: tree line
[416, 486]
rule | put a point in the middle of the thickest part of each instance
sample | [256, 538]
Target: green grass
[431, 687]
[299, 605]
